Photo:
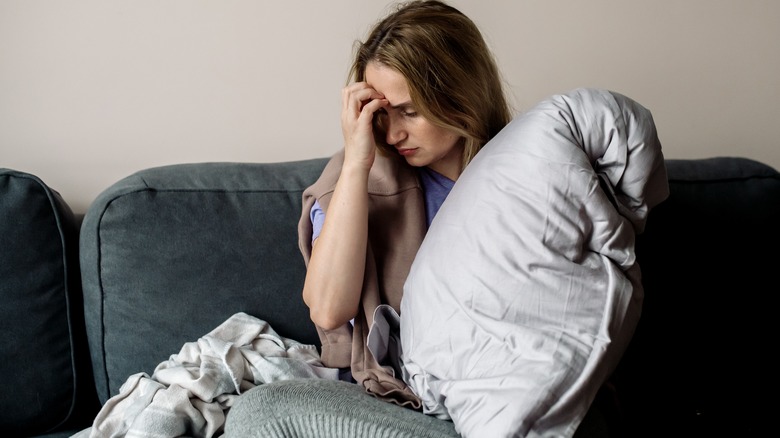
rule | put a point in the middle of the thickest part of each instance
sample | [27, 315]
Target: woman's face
[419, 141]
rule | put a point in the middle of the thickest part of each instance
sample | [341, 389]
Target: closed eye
[405, 109]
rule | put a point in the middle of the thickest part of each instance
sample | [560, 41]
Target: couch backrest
[169, 253]
[699, 361]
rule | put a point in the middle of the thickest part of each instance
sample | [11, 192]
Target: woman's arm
[334, 278]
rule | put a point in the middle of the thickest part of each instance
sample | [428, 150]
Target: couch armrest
[47, 383]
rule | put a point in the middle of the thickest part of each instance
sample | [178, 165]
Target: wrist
[356, 168]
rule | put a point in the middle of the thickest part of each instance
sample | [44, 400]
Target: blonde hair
[452, 76]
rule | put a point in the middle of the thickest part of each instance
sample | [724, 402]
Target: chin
[416, 163]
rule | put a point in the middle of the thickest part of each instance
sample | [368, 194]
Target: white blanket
[190, 393]
[526, 291]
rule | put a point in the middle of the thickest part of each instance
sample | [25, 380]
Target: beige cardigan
[396, 227]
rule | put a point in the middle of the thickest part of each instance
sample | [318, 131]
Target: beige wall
[93, 90]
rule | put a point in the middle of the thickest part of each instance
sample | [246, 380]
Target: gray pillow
[526, 290]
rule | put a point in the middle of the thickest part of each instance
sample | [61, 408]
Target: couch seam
[724, 180]
[66, 286]
[99, 256]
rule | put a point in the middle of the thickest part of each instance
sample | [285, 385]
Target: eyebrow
[406, 104]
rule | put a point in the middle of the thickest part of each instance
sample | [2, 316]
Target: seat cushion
[41, 315]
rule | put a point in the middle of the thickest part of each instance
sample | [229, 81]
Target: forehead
[387, 81]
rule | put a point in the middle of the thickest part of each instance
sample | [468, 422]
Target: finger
[358, 94]
[357, 87]
[371, 107]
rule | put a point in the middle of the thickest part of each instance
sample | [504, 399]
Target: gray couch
[167, 254]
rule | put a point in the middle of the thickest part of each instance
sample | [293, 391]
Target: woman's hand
[360, 103]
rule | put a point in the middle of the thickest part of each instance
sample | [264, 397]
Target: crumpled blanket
[191, 393]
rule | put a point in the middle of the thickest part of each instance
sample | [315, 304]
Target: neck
[450, 165]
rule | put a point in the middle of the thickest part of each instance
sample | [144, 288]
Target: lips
[407, 151]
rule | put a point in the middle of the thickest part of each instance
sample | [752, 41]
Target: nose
[395, 130]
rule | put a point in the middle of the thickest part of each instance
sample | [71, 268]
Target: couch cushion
[699, 357]
[171, 252]
[41, 313]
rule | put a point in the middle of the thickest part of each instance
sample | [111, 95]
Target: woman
[425, 96]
